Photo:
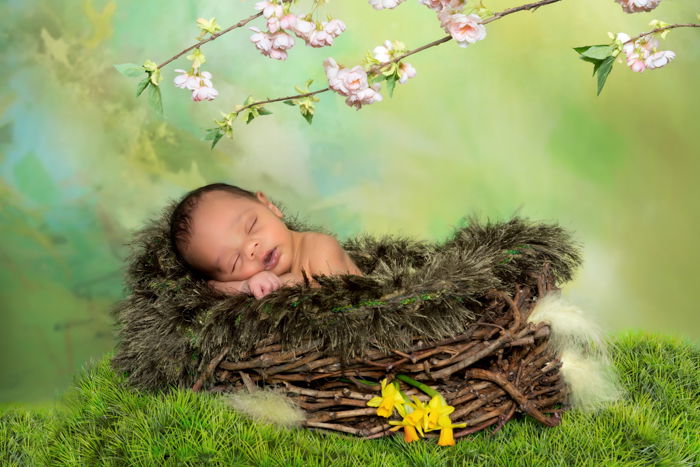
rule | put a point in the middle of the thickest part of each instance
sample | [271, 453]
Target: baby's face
[234, 238]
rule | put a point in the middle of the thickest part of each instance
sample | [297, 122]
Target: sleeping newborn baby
[237, 239]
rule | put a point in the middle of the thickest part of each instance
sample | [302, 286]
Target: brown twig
[525, 404]
[210, 369]
[670, 26]
[239, 24]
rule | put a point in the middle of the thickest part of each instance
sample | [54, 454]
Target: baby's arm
[258, 285]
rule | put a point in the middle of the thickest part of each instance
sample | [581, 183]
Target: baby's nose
[252, 248]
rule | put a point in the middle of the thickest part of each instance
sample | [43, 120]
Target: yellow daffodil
[438, 418]
[412, 421]
[391, 398]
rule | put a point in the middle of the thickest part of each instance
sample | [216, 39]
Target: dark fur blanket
[171, 324]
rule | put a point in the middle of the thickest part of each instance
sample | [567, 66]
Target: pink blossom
[204, 93]
[635, 6]
[351, 83]
[406, 72]
[334, 27]
[319, 38]
[345, 81]
[270, 8]
[303, 28]
[465, 29]
[364, 96]
[277, 54]
[282, 41]
[185, 80]
[636, 63]
[273, 24]
[288, 21]
[382, 4]
[262, 41]
[659, 59]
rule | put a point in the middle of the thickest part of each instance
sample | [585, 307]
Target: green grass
[103, 422]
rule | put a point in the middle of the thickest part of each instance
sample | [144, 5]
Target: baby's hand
[263, 283]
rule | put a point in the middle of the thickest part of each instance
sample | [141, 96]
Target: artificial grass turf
[101, 421]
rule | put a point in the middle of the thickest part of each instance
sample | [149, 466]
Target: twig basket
[501, 366]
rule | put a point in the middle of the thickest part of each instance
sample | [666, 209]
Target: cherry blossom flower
[351, 83]
[334, 27]
[382, 4]
[277, 54]
[262, 40]
[303, 28]
[465, 29]
[345, 81]
[288, 21]
[364, 96]
[659, 59]
[383, 52]
[270, 8]
[643, 53]
[185, 80]
[198, 82]
[282, 41]
[636, 63]
[406, 72]
[204, 93]
[319, 38]
[273, 24]
[636, 6]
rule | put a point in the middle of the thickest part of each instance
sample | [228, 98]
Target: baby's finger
[257, 291]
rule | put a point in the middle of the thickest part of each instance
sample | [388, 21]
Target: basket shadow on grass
[101, 421]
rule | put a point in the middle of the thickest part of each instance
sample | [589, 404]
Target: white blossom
[659, 59]
[270, 8]
[406, 72]
[382, 4]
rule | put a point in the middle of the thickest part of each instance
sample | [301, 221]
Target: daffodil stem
[417, 384]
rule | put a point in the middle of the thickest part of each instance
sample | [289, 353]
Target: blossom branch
[239, 24]
[496, 16]
[279, 99]
[654, 31]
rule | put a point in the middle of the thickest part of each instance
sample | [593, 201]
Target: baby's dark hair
[181, 218]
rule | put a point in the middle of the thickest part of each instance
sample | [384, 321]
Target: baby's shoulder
[317, 241]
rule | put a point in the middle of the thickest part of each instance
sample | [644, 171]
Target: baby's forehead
[218, 202]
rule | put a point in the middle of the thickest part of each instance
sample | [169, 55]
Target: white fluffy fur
[580, 344]
[267, 406]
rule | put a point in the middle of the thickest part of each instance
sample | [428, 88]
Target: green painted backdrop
[511, 124]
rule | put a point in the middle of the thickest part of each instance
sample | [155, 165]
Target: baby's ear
[269, 204]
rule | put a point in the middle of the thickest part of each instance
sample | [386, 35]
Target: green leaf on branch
[391, 84]
[143, 84]
[308, 116]
[604, 70]
[155, 100]
[130, 70]
[264, 111]
[290, 102]
[602, 58]
[214, 135]
[598, 52]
